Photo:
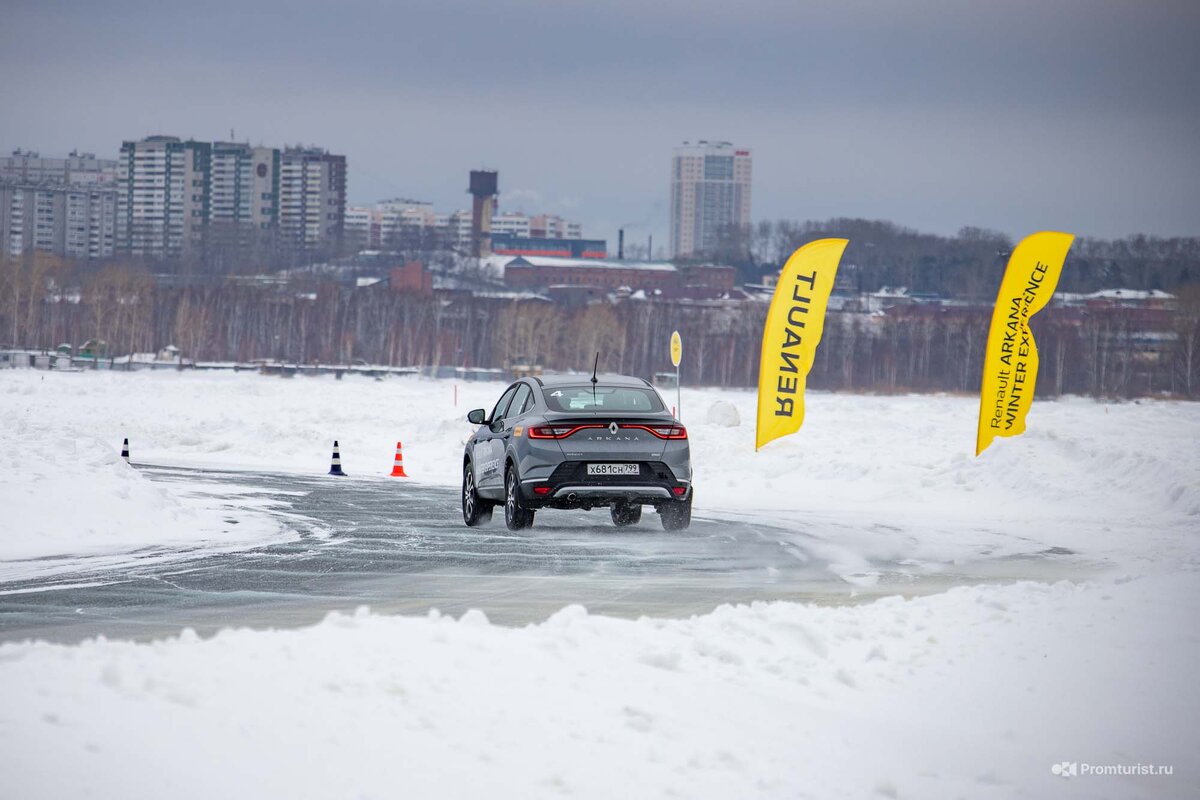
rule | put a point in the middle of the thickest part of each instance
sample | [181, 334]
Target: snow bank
[973, 693]
[895, 478]
[64, 493]
[227, 420]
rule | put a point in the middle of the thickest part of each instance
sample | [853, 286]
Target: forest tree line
[1113, 352]
[968, 265]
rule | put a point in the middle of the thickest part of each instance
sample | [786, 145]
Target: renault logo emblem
[612, 428]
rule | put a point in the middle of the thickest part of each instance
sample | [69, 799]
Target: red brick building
[412, 277]
[708, 276]
[534, 272]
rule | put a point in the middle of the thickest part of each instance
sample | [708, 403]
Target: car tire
[516, 515]
[476, 510]
[624, 515]
[677, 516]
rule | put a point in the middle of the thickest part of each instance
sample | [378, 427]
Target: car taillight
[672, 431]
[679, 490]
[556, 431]
[541, 490]
[664, 431]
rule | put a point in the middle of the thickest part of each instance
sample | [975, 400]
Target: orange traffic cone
[398, 469]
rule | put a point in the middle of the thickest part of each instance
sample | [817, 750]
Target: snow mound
[976, 692]
[65, 493]
[723, 414]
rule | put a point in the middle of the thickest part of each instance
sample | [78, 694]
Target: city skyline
[1079, 116]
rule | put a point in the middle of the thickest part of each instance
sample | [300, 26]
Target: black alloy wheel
[516, 515]
[475, 509]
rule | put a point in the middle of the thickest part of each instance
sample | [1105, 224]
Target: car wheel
[475, 509]
[624, 514]
[516, 515]
[677, 516]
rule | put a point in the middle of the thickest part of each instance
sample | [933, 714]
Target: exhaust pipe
[572, 497]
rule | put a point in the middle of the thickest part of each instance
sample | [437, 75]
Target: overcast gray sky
[1079, 115]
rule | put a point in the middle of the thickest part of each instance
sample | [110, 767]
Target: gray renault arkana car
[568, 441]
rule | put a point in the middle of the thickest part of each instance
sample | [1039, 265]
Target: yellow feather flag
[1010, 362]
[795, 322]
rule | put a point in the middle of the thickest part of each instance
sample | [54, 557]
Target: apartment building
[75, 221]
[379, 227]
[387, 223]
[510, 224]
[163, 196]
[550, 226]
[710, 190]
[312, 198]
[27, 166]
[244, 184]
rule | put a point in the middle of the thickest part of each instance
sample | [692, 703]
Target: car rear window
[602, 398]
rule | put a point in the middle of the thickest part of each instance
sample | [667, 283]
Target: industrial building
[539, 272]
[513, 245]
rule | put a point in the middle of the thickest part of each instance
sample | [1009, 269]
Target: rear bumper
[585, 497]
[645, 494]
[569, 487]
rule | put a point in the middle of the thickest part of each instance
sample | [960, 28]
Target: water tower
[484, 188]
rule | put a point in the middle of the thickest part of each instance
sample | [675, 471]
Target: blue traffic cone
[125, 451]
[336, 467]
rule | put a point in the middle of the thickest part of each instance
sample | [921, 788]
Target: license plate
[612, 469]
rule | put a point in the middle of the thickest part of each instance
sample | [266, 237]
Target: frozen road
[401, 547]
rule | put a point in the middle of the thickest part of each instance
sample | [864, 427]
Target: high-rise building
[163, 196]
[76, 221]
[243, 204]
[244, 185]
[312, 198]
[710, 190]
[76, 169]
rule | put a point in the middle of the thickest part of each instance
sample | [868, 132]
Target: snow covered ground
[974, 692]
[866, 479]
[66, 495]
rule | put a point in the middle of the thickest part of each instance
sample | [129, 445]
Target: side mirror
[477, 416]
